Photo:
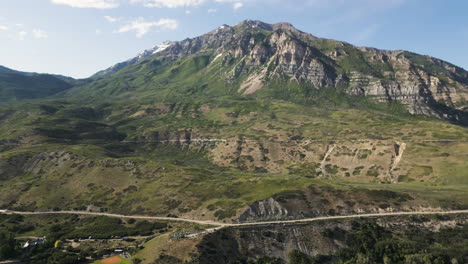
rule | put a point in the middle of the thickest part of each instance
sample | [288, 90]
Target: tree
[8, 246]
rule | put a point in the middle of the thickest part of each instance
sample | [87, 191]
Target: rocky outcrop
[316, 201]
[396, 158]
[266, 210]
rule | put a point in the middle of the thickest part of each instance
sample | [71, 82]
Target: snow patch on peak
[222, 28]
[161, 47]
[156, 49]
[138, 58]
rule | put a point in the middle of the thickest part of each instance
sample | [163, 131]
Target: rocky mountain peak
[268, 27]
[256, 23]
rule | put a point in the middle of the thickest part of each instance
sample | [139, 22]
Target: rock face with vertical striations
[266, 210]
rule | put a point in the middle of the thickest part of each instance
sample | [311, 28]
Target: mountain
[67, 79]
[4, 69]
[140, 57]
[278, 61]
[16, 85]
[252, 122]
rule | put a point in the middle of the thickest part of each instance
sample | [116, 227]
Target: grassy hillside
[148, 156]
[17, 86]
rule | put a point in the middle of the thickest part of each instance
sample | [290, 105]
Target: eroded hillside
[215, 160]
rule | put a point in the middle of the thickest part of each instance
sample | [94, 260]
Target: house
[34, 243]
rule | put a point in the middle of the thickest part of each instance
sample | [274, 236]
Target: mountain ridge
[18, 86]
[141, 56]
[68, 79]
[256, 55]
[273, 27]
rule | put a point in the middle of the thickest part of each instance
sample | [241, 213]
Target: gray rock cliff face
[425, 85]
[266, 210]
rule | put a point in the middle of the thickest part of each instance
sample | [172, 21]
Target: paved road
[221, 225]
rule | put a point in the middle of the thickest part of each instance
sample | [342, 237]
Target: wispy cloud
[142, 27]
[99, 4]
[111, 19]
[3, 28]
[39, 34]
[169, 3]
[237, 5]
[212, 10]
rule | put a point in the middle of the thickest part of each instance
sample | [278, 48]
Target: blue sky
[80, 37]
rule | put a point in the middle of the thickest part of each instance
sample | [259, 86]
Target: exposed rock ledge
[268, 209]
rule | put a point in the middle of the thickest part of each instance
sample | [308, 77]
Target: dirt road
[220, 224]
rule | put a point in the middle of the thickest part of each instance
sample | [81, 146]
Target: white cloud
[299, 4]
[3, 28]
[212, 10]
[98, 32]
[237, 5]
[39, 34]
[169, 3]
[188, 12]
[22, 35]
[111, 19]
[99, 4]
[141, 27]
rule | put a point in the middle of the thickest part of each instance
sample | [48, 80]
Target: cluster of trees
[371, 243]
[8, 246]
[63, 228]
[104, 227]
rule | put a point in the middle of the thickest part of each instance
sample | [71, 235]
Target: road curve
[220, 225]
